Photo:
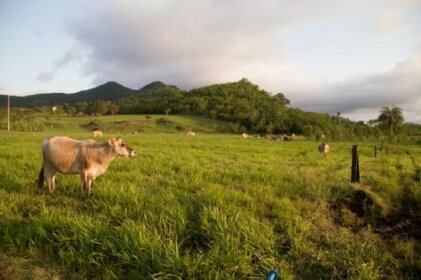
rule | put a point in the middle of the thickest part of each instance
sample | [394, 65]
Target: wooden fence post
[375, 151]
[355, 168]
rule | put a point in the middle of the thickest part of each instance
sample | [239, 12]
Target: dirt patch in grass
[359, 203]
[3, 274]
[131, 122]
[130, 126]
[14, 267]
[165, 122]
[362, 209]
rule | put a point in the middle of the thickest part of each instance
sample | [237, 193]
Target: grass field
[214, 206]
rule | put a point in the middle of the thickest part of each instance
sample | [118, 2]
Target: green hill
[246, 106]
[109, 91]
[150, 99]
[242, 103]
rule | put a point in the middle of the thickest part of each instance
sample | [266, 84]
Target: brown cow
[275, 137]
[323, 148]
[288, 138]
[87, 158]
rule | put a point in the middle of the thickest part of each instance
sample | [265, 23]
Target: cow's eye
[122, 145]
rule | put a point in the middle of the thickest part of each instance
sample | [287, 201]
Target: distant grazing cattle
[191, 133]
[244, 135]
[288, 138]
[323, 148]
[274, 137]
[96, 133]
[137, 132]
[54, 108]
[87, 158]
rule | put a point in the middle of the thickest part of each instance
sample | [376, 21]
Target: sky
[352, 57]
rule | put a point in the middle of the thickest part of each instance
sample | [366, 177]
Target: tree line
[249, 109]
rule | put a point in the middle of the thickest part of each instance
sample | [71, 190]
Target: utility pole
[8, 113]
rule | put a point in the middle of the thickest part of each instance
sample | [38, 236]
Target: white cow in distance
[96, 133]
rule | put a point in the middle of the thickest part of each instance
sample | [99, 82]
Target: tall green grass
[213, 206]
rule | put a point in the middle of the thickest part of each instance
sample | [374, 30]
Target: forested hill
[152, 98]
[246, 106]
[243, 103]
[109, 91]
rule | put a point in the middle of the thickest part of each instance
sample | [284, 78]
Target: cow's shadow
[29, 185]
[11, 185]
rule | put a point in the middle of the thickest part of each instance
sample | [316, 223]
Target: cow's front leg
[83, 183]
[53, 183]
[90, 185]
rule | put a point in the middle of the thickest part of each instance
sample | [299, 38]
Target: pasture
[214, 206]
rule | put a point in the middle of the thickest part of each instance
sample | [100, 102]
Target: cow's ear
[111, 141]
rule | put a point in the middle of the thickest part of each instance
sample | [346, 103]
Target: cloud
[45, 76]
[71, 55]
[189, 43]
[195, 43]
[400, 86]
[397, 15]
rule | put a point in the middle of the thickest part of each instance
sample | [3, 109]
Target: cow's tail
[41, 177]
[41, 172]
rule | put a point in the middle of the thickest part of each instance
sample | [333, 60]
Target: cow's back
[62, 154]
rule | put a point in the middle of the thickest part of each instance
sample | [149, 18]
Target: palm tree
[391, 117]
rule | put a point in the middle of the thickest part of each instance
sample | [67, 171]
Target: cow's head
[120, 148]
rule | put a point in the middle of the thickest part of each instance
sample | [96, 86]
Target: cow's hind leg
[49, 176]
[41, 177]
[83, 183]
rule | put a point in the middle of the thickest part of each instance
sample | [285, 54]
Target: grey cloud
[188, 42]
[194, 43]
[45, 76]
[68, 57]
[400, 86]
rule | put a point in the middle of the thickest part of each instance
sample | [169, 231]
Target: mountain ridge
[109, 91]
